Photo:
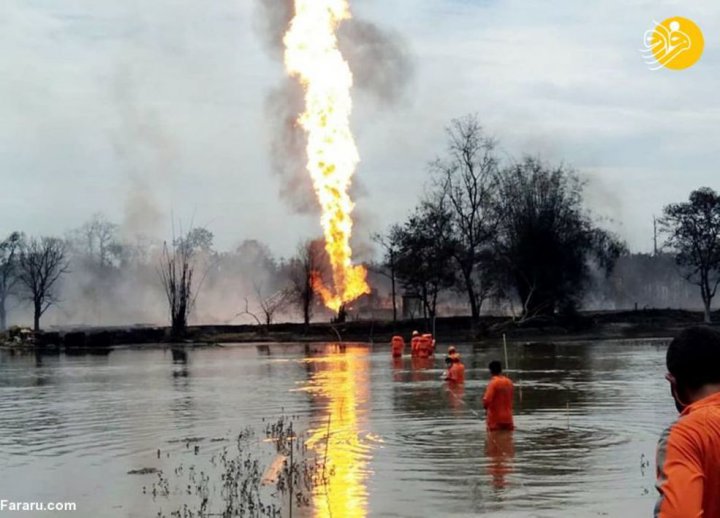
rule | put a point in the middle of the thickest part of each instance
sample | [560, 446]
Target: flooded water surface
[397, 441]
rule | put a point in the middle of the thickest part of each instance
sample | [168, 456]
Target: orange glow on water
[342, 381]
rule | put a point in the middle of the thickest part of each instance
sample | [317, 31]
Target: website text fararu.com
[9, 505]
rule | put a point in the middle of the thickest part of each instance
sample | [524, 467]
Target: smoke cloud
[271, 21]
[382, 68]
[379, 58]
[287, 146]
[147, 152]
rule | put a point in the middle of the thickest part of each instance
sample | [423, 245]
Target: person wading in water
[498, 399]
[688, 455]
[456, 369]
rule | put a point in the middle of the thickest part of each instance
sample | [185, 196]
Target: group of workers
[688, 454]
[421, 345]
[498, 397]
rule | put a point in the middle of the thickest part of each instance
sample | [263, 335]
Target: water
[401, 443]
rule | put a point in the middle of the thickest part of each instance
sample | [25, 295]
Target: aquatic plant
[235, 484]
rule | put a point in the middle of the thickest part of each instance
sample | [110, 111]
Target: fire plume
[312, 55]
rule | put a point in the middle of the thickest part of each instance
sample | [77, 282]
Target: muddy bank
[87, 340]
[584, 326]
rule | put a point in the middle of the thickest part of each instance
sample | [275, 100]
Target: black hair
[495, 367]
[693, 357]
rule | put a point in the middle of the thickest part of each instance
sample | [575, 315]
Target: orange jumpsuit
[431, 341]
[398, 346]
[498, 401]
[425, 348]
[456, 373]
[688, 463]
[414, 343]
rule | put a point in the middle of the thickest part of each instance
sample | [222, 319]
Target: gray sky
[146, 108]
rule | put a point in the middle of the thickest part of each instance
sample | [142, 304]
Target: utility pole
[655, 246]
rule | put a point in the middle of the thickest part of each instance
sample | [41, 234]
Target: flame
[312, 55]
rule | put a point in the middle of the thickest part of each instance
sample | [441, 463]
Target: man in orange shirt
[688, 456]
[414, 343]
[498, 399]
[456, 371]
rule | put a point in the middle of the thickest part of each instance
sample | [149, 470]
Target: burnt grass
[591, 325]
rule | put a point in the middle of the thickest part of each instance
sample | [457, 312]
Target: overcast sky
[145, 109]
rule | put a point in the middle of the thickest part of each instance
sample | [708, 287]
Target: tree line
[95, 268]
[497, 233]
[517, 231]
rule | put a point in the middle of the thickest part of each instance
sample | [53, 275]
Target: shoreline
[586, 326]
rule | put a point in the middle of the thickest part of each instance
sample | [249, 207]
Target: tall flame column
[312, 55]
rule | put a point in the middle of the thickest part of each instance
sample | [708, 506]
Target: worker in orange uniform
[425, 346]
[452, 352]
[498, 399]
[456, 370]
[414, 343]
[688, 455]
[397, 345]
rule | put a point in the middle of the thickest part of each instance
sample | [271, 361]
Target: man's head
[415, 333]
[495, 367]
[693, 363]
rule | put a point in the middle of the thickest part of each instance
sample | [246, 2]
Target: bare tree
[466, 179]
[9, 251]
[390, 245]
[176, 274]
[247, 311]
[177, 271]
[303, 269]
[98, 240]
[41, 264]
[97, 254]
[693, 230]
[269, 305]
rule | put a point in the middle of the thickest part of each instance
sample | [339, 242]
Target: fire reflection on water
[341, 380]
